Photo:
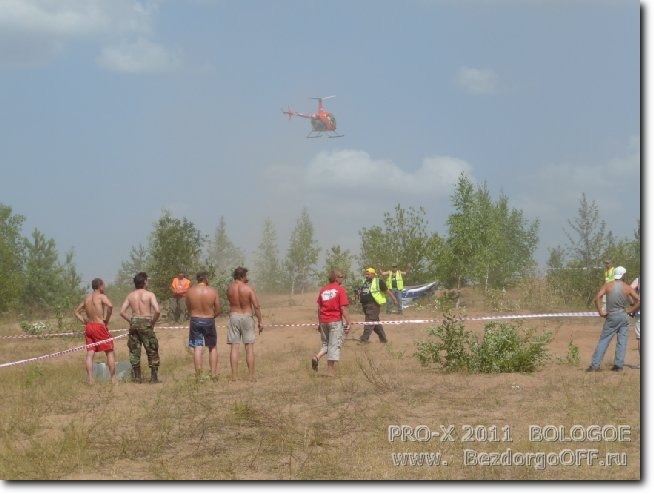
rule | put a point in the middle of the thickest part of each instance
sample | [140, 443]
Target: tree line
[488, 243]
[33, 276]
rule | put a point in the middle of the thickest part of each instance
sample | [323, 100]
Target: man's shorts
[97, 331]
[202, 332]
[240, 328]
[637, 326]
[331, 335]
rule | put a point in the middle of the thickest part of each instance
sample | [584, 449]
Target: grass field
[296, 424]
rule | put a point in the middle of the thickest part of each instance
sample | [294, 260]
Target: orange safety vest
[180, 286]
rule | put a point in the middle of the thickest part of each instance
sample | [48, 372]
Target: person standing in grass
[636, 315]
[203, 306]
[240, 328]
[395, 284]
[144, 314]
[332, 308]
[178, 288]
[616, 322]
[97, 308]
[372, 295]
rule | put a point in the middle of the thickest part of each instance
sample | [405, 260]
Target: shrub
[503, 348]
[449, 351]
[573, 356]
[34, 328]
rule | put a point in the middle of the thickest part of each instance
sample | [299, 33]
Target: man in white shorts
[240, 328]
[332, 308]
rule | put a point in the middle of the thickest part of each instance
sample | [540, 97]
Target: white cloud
[352, 169]
[140, 56]
[347, 189]
[51, 18]
[36, 32]
[477, 81]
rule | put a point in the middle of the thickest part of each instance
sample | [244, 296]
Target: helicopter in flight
[322, 122]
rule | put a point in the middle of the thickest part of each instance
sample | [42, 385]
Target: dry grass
[295, 424]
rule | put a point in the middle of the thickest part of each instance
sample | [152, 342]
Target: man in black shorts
[203, 306]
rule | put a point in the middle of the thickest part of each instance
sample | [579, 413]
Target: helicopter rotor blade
[290, 112]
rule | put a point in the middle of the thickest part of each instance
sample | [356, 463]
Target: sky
[115, 111]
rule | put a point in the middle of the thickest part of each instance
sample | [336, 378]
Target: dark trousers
[371, 311]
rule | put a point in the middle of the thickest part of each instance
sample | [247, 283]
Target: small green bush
[34, 328]
[573, 357]
[503, 348]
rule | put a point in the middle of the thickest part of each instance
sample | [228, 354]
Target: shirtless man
[242, 301]
[145, 313]
[97, 308]
[203, 306]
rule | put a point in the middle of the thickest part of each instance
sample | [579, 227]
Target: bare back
[202, 301]
[97, 307]
[142, 303]
[242, 298]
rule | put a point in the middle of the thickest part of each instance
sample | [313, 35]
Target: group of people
[141, 310]
[615, 301]
[202, 305]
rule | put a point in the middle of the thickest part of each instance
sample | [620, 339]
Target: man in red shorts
[97, 308]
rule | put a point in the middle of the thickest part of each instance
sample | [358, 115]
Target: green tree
[512, 254]
[336, 258]
[12, 255]
[589, 241]
[487, 242]
[373, 245]
[137, 262]
[403, 239]
[626, 252]
[302, 255]
[462, 240]
[174, 245]
[588, 244]
[44, 275]
[267, 266]
[72, 281]
[224, 255]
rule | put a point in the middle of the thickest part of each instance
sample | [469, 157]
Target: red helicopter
[321, 122]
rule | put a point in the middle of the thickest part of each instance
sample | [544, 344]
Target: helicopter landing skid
[315, 135]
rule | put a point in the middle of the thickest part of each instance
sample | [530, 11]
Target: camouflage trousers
[141, 333]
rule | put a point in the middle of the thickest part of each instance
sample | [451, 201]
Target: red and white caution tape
[63, 352]
[310, 324]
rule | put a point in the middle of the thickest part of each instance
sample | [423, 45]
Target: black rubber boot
[153, 376]
[136, 374]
